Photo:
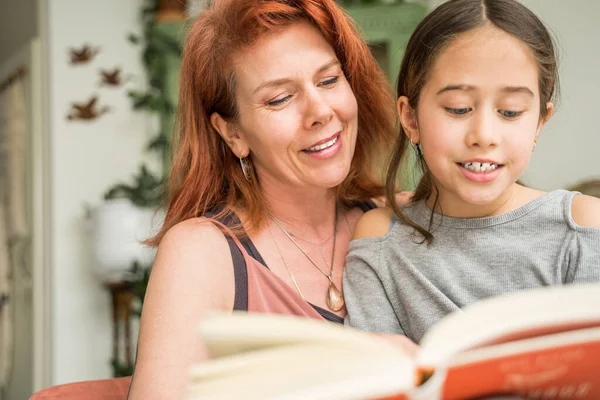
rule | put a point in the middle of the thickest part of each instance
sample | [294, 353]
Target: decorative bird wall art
[86, 111]
[113, 78]
[83, 55]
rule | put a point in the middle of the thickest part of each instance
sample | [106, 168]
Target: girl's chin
[482, 198]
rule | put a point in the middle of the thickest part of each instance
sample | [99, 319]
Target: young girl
[475, 88]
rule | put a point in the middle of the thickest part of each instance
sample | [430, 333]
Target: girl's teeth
[480, 167]
[323, 145]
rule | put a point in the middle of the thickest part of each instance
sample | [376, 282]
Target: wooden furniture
[121, 298]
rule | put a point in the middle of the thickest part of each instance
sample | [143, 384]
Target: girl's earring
[534, 145]
[416, 148]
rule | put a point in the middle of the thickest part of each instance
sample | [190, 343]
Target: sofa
[105, 389]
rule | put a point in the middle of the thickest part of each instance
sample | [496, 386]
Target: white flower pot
[118, 227]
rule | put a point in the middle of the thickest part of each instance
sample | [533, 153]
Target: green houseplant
[161, 50]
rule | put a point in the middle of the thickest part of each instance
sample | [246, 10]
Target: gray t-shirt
[393, 284]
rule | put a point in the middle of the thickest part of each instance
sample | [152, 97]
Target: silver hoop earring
[246, 168]
[416, 148]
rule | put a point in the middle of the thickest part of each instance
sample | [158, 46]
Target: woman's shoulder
[194, 232]
[193, 267]
[194, 246]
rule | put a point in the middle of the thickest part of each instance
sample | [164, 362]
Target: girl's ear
[231, 135]
[408, 119]
[549, 113]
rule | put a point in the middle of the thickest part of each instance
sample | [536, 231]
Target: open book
[542, 343]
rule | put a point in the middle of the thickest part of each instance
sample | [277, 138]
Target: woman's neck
[305, 212]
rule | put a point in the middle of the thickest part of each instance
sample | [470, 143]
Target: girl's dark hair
[434, 34]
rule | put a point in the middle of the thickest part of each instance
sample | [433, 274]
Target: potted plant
[128, 216]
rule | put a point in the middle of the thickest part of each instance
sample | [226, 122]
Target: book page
[237, 332]
[503, 318]
[261, 356]
[304, 371]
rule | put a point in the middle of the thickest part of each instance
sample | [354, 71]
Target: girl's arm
[585, 250]
[367, 301]
[192, 274]
[586, 211]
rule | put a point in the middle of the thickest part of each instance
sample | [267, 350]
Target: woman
[284, 115]
[283, 118]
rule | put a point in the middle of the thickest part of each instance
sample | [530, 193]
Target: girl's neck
[514, 197]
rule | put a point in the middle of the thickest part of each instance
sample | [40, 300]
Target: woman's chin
[331, 179]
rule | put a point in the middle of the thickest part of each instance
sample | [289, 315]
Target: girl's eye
[279, 101]
[459, 111]
[330, 82]
[510, 114]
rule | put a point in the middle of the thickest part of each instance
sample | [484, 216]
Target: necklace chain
[328, 276]
[286, 266]
[319, 245]
[334, 296]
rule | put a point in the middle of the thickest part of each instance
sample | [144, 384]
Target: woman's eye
[458, 111]
[278, 102]
[330, 82]
[510, 114]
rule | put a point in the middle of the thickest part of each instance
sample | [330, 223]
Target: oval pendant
[335, 299]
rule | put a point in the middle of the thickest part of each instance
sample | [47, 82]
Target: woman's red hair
[205, 174]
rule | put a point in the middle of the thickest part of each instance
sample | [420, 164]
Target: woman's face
[297, 113]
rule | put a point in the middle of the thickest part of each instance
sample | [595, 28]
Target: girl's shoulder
[578, 210]
[374, 223]
[585, 211]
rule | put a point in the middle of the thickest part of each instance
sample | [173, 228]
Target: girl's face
[477, 119]
[298, 115]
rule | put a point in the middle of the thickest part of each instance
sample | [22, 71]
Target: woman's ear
[408, 119]
[231, 135]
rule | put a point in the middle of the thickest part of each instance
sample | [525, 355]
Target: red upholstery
[106, 389]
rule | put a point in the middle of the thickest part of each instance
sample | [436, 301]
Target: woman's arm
[192, 274]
